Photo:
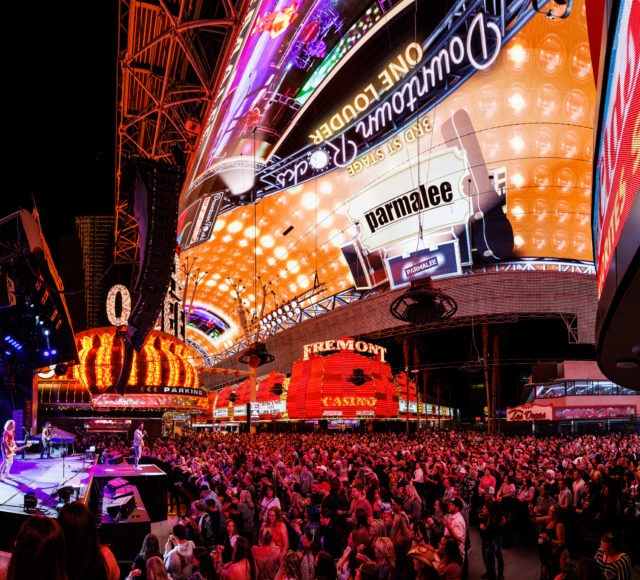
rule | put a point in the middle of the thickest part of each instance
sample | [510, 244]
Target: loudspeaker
[122, 507]
[30, 502]
[153, 189]
[156, 192]
[116, 483]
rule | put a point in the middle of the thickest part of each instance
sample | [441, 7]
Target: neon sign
[343, 344]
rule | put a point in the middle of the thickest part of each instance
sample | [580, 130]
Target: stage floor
[44, 477]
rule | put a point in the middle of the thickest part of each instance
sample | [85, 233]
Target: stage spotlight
[54, 352]
[47, 353]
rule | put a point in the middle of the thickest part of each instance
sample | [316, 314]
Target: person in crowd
[614, 564]
[367, 571]
[491, 529]
[229, 542]
[156, 569]
[278, 528]
[435, 523]
[565, 495]
[241, 566]
[454, 525]
[38, 551]
[290, 566]
[178, 552]
[247, 510]
[150, 548]
[310, 549]
[86, 558]
[266, 555]
[378, 469]
[203, 565]
[425, 561]
[325, 568]
[329, 535]
[268, 501]
[450, 565]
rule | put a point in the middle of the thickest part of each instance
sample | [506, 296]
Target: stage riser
[151, 483]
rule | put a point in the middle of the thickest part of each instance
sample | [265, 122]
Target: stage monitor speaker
[30, 502]
[122, 507]
[116, 483]
[123, 491]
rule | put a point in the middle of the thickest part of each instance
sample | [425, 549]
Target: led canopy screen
[384, 146]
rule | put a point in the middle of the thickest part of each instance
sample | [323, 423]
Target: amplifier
[122, 507]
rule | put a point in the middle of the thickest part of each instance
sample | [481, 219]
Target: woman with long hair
[450, 567]
[310, 548]
[290, 566]
[242, 566]
[150, 548]
[385, 557]
[87, 559]
[230, 540]
[156, 569]
[269, 500]
[325, 567]
[267, 555]
[38, 552]
[400, 534]
[203, 563]
[278, 528]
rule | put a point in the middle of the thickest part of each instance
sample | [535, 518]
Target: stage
[44, 477]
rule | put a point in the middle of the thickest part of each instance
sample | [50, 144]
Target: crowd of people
[388, 506]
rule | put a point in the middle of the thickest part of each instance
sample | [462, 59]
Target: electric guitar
[14, 450]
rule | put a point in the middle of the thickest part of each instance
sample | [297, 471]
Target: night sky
[60, 119]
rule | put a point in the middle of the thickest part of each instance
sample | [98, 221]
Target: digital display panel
[618, 176]
[417, 150]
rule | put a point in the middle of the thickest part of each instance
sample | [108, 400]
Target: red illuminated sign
[618, 179]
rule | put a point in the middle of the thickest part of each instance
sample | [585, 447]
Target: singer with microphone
[47, 434]
[138, 443]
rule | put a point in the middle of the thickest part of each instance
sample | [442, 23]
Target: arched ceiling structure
[352, 146]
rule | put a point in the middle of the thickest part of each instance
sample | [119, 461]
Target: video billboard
[388, 144]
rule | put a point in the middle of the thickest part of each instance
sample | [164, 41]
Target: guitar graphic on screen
[491, 232]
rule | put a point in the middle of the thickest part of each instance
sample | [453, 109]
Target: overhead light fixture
[423, 303]
[256, 355]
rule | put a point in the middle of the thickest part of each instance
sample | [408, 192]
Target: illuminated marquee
[343, 344]
[349, 401]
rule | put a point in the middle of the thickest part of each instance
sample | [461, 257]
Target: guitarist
[8, 448]
[47, 434]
